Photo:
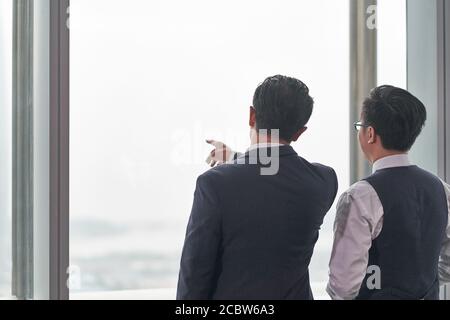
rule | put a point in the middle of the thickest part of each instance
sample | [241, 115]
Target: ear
[372, 136]
[299, 133]
[252, 120]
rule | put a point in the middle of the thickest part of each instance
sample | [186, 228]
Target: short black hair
[397, 116]
[282, 103]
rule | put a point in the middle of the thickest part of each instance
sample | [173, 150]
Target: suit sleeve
[335, 187]
[200, 258]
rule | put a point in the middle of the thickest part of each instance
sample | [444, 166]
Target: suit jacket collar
[284, 151]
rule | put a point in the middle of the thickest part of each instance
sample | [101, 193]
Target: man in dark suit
[252, 232]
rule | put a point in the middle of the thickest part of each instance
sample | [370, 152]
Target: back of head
[397, 116]
[282, 103]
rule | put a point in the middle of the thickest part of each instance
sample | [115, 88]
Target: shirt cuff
[340, 297]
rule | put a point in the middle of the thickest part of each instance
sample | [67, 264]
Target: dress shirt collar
[265, 145]
[400, 160]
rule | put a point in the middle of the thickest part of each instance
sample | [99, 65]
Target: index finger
[216, 144]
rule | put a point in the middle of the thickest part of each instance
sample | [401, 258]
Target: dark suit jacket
[250, 236]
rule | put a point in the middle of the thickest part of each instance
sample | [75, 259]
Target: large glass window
[392, 43]
[150, 81]
[5, 145]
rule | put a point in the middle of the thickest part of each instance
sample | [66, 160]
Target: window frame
[59, 149]
[40, 146]
[444, 105]
[23, 150]
[446, 90]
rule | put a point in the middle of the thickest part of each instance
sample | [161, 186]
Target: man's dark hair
[397, 116]
[282, 103]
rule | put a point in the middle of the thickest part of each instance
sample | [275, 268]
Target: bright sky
[152, 79]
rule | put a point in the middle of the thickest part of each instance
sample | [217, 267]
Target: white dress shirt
[359, 221]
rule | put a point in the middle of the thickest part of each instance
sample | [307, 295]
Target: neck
[386, 153]
[266, 139]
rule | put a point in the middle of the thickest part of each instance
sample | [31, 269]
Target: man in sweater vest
[392, 232]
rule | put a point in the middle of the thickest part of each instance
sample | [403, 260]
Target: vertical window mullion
[363, 77]
[59, 149]
[22, 162]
